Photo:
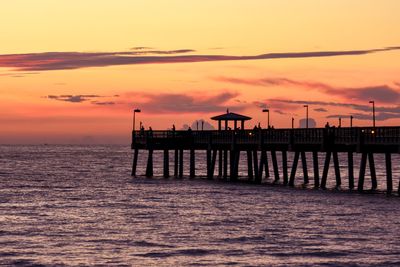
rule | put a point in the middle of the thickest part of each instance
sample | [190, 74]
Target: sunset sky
[72, 71]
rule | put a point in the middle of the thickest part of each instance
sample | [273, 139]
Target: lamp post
[351, 121]
[373, 112]
[292, 122]
[306, 106]
[136, 110]
[267, 110]
[340, 122]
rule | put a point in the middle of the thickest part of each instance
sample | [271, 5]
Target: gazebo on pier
[230, 116]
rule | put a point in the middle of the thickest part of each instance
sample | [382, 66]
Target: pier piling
[258, 143]
[134, 161]
[371, 163]
[294, 168]
[363, 165]
[304, 165]
[192, 164]
[166, 163]
[316, 169]
[149, 167]
[389, 181]
[325, 170]
[337, 169]
[275, 165]
[285, 167]
[350, 169]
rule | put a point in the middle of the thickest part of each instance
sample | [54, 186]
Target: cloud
[185, 103]
[320, 110]
[73, 98]
[81, 98]
[199, 125]
[311, 123]
[274, 82]
[260, 104]
[280, 112]
[382, 112]
[381, 116]
[104, 103]
[379, 93]
[142, 50]
[75, 60]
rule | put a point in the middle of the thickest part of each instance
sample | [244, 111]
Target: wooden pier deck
[223, 143]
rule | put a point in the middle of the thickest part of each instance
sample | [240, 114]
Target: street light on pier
[267, 110]
[306, 106]
[373, 112]
[292, 122]
[351, 121]
[340, 122]
[136, 110]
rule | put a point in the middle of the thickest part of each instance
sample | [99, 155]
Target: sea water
[79, 206]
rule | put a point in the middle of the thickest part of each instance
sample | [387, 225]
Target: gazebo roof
[230, 116]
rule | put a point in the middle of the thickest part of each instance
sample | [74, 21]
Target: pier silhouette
[223, 147]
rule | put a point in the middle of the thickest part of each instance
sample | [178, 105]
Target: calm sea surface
[79, 206]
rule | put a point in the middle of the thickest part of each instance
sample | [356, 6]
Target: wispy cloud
[80, 99]
[320, 110]
[187, 103]
[103, 103]
[381, 116]
[380, 93]
[75, 60]
[383, 112]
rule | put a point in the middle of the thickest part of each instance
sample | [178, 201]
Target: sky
[73, 71]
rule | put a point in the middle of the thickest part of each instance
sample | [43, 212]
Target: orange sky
[72, 72]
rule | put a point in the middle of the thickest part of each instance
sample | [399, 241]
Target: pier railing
[311, 136]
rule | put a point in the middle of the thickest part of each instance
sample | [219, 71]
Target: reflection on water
[72, 205]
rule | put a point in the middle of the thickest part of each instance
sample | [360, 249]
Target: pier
[223, 149]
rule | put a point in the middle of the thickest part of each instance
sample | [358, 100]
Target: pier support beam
[255, 163]
[326, 169]
[176, 162]
[166, 163]
[134, 161]
[266, 166]
[209, 163]
[192, 159]
[149, 167]
[389, 180]
[237, 159]
[371, 163]
[285, 167]
[351, 169]
[316, 169]
[180, 163]
[337, 169]
[363, 165]
[213, 160]
[225, 164]
[220, 159]
[263, 159]
[294, 168]
[249, 165]
[304, 165]
[275, 165]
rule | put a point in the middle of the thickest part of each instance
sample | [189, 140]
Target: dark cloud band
[76, 60]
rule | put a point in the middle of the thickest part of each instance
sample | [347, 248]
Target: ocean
[75, 205]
